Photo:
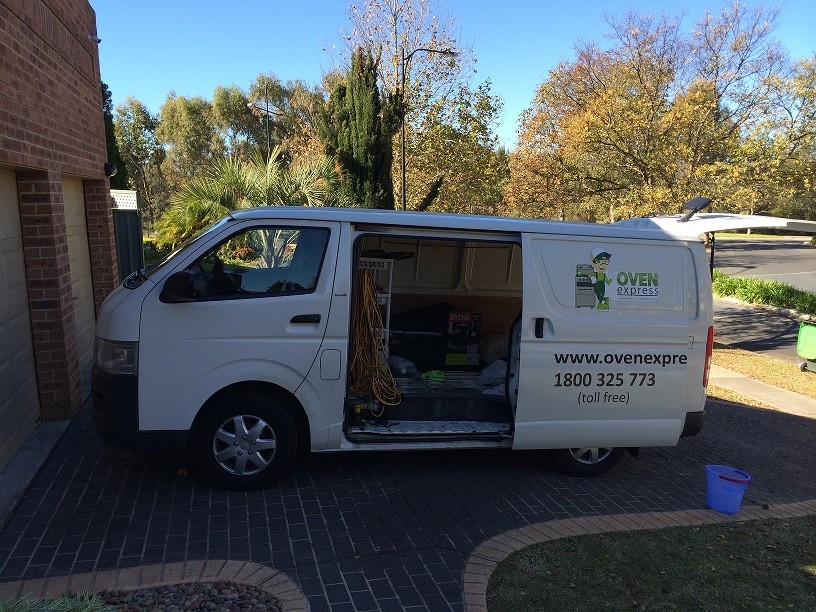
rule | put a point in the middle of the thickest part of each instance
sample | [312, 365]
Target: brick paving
[372, 531]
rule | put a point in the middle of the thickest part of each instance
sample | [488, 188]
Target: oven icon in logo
[584, 287]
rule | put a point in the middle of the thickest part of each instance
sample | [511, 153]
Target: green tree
[186, 129]
[142, 154]
[235, 123]
[409, 28]
[120, 179]
[294, 112]
[358, 126]
[458, 145]
[786, 140]
[232, 183]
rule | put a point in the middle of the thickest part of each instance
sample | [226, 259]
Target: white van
[284, 329]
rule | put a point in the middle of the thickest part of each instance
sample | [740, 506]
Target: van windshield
[137, 278]
[190, 241]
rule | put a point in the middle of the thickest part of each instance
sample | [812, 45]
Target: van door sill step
[431, 428]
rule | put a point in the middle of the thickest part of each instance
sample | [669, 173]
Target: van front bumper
[115, 399]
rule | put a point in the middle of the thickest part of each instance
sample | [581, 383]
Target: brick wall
[51, 124]
[101, 241]
[45, 250]
[50, 99]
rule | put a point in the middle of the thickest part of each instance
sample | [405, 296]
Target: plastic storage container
[806, 345]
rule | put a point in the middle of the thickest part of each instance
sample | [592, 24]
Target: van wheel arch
[274, 391]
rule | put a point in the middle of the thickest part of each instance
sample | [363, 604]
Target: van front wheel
[587, 461]
[245, 441]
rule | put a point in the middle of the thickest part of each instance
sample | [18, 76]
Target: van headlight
[116, 357]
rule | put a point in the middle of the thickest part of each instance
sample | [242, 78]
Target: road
[787, 261]
[756, 330]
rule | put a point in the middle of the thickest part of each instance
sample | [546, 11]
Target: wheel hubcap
[244, 445]
[590, 456]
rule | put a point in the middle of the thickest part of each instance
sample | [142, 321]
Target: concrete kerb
[24, 466]
[271, 581]
[487, 556]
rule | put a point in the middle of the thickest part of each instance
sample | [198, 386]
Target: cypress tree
[120, 179]
[358, 125]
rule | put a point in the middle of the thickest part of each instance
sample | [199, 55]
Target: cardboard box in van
[463, 337]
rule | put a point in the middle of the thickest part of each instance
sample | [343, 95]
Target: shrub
[154, 253]
[761, 291]
[68, 603]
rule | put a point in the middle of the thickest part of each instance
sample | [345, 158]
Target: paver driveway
[369, 531]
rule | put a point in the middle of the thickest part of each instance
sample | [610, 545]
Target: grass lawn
[775, 372]
[755, 565]
[760, 236]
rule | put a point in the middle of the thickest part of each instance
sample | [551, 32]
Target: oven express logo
[594, 279]
[637, 285]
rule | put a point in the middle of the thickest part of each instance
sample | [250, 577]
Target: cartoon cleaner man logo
[600, 263]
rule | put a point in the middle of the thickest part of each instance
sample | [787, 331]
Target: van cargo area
[430, 345]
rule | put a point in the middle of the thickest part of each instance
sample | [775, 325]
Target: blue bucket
[726, 487]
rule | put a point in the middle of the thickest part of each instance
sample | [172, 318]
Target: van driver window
[261, 261]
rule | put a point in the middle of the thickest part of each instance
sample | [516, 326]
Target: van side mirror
[179, 287]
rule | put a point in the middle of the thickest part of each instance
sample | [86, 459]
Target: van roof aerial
[694, 206]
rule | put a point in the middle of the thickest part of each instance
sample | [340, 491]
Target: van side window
[262, 261]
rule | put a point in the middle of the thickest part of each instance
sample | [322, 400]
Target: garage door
[19, 402]
[80, 263]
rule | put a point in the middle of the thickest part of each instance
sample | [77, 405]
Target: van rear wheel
[245, 441]
[587, 461]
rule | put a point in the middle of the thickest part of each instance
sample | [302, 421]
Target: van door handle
[309, 318]
[544, 328]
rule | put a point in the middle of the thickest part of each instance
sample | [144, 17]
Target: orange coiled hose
[369, 372]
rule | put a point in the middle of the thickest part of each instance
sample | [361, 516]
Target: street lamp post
[268, 111]
[405, 60]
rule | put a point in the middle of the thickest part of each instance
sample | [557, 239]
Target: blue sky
[151, 47]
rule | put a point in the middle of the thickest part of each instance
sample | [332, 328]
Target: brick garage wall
[51, 124]
[50, 99]
[101, 238]
[45, 250]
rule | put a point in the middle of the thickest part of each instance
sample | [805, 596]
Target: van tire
[263, 449]
[587, 461]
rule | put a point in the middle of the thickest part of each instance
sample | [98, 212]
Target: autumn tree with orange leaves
[659, 117]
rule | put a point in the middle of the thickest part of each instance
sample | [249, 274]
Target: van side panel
[610, 344]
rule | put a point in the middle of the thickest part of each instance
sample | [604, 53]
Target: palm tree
[233, 183]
